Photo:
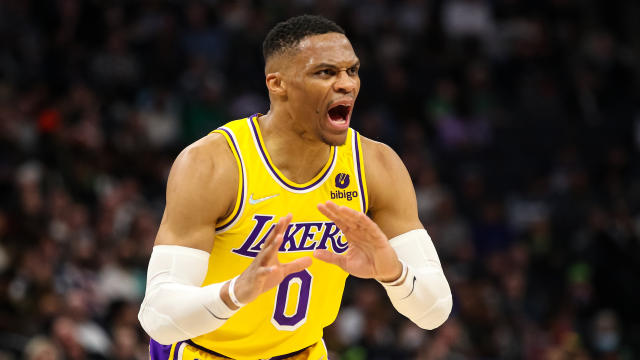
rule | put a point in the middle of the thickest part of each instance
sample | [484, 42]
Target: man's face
[322, 86]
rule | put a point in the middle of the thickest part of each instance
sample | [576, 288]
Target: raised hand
[369, 254]
[266, 271]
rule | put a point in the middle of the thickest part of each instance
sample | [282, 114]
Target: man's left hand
[369, 254]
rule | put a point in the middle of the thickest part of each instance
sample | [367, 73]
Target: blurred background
[519, 122]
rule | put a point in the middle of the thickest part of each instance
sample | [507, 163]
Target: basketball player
[231, 273]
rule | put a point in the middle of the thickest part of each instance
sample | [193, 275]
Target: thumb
[328, 256]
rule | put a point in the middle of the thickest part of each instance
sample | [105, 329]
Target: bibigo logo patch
[342, 180]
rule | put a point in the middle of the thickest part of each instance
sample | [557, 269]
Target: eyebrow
[327, 65]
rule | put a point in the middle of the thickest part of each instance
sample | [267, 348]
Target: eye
[352, 70]
[326, 72]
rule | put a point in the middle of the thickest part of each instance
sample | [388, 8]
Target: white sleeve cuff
[424, 295]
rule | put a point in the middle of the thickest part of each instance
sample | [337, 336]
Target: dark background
[519, 122]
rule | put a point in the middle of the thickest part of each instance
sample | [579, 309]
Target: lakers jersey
[292, 315]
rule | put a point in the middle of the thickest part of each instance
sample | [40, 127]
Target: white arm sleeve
[424, 295]
[175, 307]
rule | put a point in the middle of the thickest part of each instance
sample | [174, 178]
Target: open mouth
[339, 113]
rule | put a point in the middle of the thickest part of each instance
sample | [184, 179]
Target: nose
[344, 83]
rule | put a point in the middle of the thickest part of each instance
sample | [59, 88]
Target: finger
[349, 221]
[363, 230]
[328, 210]
[284, 223]
[356, 226]
[280, 228]
[358, 221]
[350, 215]
[338, 209]
[332, 258]
[280, 232]
[264, 249]
[269, 253]
[346, 215]
[296, 265]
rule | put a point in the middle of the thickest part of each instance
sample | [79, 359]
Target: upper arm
[392, 198]
[201, 189]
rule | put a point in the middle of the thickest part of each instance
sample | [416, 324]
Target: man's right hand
[266, 271]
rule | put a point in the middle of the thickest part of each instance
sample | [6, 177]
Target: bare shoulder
[206, 169]
[201, 190]
[209, 155]
[379, 154]
[392, 197]
[383, 166]
[202, 160]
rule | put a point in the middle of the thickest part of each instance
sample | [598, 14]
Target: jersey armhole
[231, 219]
[359, 170]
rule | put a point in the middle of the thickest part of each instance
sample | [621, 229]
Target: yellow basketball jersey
[292, 315]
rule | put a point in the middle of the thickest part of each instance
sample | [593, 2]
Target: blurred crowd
[519, 122]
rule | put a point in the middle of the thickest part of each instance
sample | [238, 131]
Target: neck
[294, 150]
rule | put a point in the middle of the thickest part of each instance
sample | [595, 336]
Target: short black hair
[287, 34]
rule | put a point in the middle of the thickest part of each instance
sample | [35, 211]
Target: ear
[276, 84]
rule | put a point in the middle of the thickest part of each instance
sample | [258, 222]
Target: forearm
[423, 293]
[175, 307]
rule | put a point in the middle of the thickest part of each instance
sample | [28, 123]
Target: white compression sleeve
[424, 295]
[175, 307]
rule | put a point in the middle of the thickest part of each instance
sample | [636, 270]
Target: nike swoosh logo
[413, 287]
[253, 201]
